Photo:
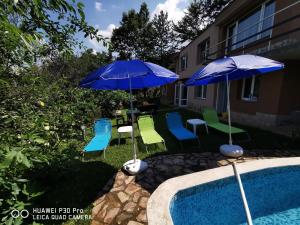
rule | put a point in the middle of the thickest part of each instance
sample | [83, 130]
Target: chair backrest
[174, 120]
[102, 126]
[210, 115]
[145, 122]
[124, 114]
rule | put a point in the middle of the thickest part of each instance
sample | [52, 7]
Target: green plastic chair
[121, 117]
[211, 118]
[148, 132]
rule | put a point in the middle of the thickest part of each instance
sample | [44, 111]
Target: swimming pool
[273, 196]
[212, 197]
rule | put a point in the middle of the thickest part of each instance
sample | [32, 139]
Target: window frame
[183, 68]
[261, 8]
[201, 96]
[249, 99]
[206, 43]
[233, 37]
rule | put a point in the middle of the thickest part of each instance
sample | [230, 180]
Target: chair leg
[104, 153]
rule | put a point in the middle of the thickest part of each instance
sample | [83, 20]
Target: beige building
[267, 28]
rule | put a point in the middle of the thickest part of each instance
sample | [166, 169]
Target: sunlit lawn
[77, 183]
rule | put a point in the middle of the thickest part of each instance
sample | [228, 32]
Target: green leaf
[40, 140]
[21, 180]
[10, 221]
[9, 158]
[15, 189]
[24, 191]
[36, 194]
[80, 5]
[25, 161]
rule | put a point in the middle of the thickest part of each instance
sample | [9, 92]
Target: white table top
[196, 121]
[125, 129]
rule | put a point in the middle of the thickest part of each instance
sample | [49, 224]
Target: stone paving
[124, 198]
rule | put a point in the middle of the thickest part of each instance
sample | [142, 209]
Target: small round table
[195, 123]
[124, 129]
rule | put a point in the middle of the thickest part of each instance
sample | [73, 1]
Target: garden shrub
[40, 120]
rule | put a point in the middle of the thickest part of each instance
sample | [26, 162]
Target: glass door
[184, 95]
[221, 104]
[181, 95]
[177, 94]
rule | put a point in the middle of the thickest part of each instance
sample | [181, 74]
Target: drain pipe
[246, 207]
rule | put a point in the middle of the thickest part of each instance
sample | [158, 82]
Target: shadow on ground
[260, 139]
[72, 184]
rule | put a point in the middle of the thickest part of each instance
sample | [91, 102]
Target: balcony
[281, 43]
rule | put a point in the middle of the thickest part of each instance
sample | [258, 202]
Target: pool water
[273, 197]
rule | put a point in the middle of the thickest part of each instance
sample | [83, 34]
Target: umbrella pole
[132, 121]
[228, 109]
[133, 166]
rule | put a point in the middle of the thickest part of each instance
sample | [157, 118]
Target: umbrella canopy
[232, 68]
[116, 76]
[235, 67]
[128, 75]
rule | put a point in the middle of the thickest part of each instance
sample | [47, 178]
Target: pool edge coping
[159, 202]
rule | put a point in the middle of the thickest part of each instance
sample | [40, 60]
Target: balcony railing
[222, 48]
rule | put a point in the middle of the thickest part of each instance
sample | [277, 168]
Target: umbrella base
[134, 168]
[231, 150]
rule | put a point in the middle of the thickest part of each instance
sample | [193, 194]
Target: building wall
[191, 51]
[264, 111]
[280, 17]
[278, 93]
[289, 101]
[278, 102]
[197, 103]
[268, 99]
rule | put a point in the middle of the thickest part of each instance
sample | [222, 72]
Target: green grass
[77, 182]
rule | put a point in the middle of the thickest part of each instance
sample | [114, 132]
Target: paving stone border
[123, 200]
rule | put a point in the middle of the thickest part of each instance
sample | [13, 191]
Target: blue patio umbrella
[129, 75]
[233, 68]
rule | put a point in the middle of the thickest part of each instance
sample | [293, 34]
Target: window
[231, 37]
[201, 91]
[268, 19]
[247, 27]
[202, 51]
[250, 88]
[183, 62]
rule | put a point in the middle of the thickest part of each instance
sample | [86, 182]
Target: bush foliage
[41, 116]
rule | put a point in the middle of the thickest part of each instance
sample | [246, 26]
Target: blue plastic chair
[100, 142]
[176, 127]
